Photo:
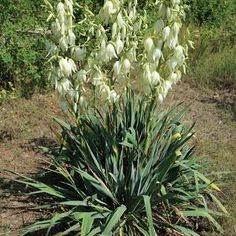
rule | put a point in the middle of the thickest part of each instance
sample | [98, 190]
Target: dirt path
[24, 125]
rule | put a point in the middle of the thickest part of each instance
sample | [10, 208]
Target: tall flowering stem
[99, 54]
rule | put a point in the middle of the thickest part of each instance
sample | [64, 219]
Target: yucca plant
[128, 170]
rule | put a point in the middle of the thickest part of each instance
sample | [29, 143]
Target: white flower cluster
[120, 40]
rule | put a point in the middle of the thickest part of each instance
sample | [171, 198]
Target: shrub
[128, 171]
[211, 12]
[22, 46]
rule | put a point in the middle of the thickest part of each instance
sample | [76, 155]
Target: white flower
[147, 74]
[166, 32]
[108, 8]
[66, 84]
[176, 28]
[67, 66]
[71, 37]
[69, 6]
[82, 100]
[60, 8]
[172, 63]
[110, 52]
[116, 68]
[179, 51]
[167, 85]
[120, 20]
[56, 27]
[63, 44]
[172, 41]
[148, 44]
[81, 75]
[119, 45]
[179, 74]
[126, 66]
[159, 25]
[155, 78]
[79, 54]
[173, 77]
[179, 54]
[156, 54]
[113, 96]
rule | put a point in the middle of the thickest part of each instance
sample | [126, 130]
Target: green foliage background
[22, 47]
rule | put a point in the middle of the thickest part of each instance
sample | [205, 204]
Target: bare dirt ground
[25, 124]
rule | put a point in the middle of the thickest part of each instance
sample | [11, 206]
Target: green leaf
[114, 220]
[186, 231]
[198, 212]
[86, 224]
[148, 208]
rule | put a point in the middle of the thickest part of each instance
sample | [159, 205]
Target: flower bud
[156, 54]
[110, 52]
[116, 68]
[119, 46]
[166, 32]
[126, 66]
[113, 96]
[155, 78]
